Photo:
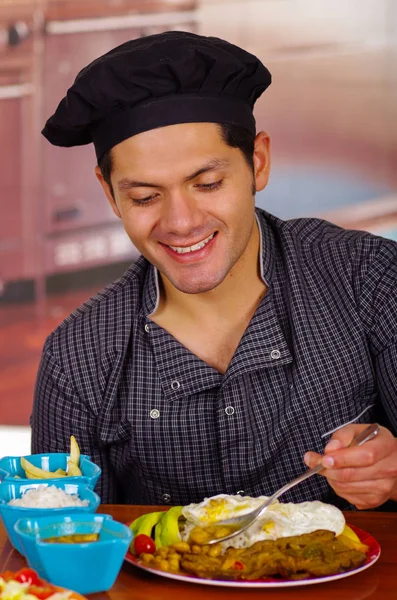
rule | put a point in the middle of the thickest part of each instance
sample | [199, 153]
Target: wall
[331, 112]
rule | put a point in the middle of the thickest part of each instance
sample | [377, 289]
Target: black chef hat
[164, 79]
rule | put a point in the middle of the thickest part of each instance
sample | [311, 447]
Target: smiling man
[192, 215]
[237, 341]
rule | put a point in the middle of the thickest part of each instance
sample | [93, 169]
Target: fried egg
[279, 520]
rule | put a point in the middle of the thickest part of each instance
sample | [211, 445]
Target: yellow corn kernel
[181, 547]
[164, 565]
[214, 550]
[147, 558]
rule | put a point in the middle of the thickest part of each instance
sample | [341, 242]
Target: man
[237, 342]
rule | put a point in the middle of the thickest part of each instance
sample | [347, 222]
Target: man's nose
[181, 213]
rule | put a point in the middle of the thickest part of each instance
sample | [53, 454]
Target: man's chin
[196, 286]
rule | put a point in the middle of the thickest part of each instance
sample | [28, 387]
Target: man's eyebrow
[212, 165]
[126, 183]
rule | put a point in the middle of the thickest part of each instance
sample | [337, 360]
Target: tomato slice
[7, 575]
[37, 587]
[144, 544]
[42, 592]
[27, 575]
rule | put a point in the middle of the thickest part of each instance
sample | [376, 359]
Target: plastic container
[10, 467]
[15, 489]
[86, 567]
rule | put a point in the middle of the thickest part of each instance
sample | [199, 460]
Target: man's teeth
[185, 249]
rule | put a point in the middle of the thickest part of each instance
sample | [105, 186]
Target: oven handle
[121, 22]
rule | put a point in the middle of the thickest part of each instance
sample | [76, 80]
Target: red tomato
[238, 566]
[144, 543]
[27, 575]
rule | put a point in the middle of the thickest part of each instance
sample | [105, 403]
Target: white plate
[372, 556]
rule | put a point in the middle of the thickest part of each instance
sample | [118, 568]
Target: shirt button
[175, 385]
[240, 493]
[165, 498]
[229, 410]
[147, 328]
[275, 354]
[154, 414]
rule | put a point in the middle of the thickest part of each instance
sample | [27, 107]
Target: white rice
[48, 497]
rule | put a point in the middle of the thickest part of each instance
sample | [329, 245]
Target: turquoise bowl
[10, 490]
[10, 467]
[87, 567]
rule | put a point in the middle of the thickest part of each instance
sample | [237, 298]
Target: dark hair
[238, 137]
[233, 135]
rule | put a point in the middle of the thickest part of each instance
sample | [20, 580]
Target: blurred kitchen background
[331, 112]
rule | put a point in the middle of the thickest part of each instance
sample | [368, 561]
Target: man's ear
[262, 160]
[108, 191]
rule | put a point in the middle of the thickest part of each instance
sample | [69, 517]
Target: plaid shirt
[165, 427]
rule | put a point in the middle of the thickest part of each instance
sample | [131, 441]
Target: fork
[242, 522]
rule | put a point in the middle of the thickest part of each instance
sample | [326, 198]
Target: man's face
[186, 201]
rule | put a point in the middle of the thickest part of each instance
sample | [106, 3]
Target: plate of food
[290, 545]
[26, 584]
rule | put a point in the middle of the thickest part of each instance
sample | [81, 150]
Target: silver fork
[244, 521]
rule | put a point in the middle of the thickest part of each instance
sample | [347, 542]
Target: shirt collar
[266, 248]
[151, 291]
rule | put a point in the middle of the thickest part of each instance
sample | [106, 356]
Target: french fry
[73, 469]
[33, 472]
[59, 473]
[74, 451]
[30, 475]
[73, 462]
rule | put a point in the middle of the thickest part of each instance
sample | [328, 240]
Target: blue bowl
[87, 567]
[10, 490]
[10, 467]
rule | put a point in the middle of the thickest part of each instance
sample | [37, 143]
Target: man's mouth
[194, 248]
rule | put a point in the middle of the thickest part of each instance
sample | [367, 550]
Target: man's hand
[366, 475]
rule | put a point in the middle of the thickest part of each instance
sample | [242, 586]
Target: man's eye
[207, 187]
[143, 201]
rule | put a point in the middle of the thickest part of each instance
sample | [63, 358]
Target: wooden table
[378, 582]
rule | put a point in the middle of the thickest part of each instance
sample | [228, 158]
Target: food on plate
[169, 526]
[72, 538]
[73, 469]
[146, 523]
[25, 584]
[290, 540]
[279, 520]
[165, 525]
[315, 554]
[47, 497]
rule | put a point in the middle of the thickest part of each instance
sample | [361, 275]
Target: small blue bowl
[10, 467]
[87, 567]
[10, 514]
